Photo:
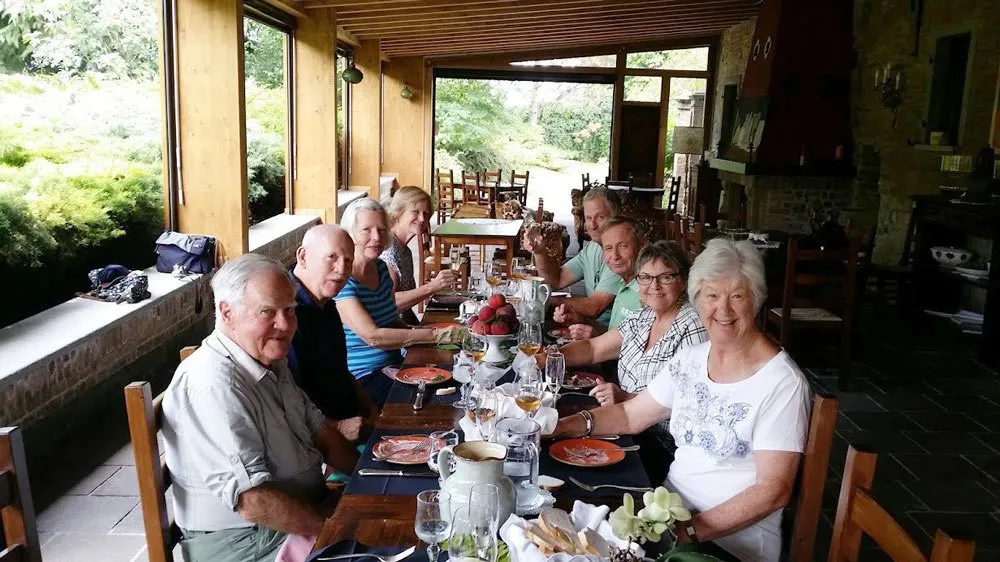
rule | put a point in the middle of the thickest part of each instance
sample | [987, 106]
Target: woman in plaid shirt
[645, 340]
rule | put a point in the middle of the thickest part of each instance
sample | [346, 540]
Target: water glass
[431, 524]
[462, 371]
[523, 441]
[472, 537]
[439, 440]
[484, 503]
[485, 413]
[555, 372]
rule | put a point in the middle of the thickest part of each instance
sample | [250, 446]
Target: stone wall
[734, 50]
[787, 203]
[884, 33]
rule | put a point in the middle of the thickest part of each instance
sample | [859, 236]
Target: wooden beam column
[366, 119]
[314, 181]
[405, 123]
[211, 123]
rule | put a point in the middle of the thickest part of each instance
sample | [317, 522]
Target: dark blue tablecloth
[354, 547]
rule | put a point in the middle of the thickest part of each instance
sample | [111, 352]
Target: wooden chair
[145, 418]
[490, 186]
[694, 235]
[445, 184]
[674, 193]
[428, 266]
[859, 514]
[818, 293]
[812, 478]
[519, 185]
[620, 184]
[470, 187]
[586, 182]
[17, 512]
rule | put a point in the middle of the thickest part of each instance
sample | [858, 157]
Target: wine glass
[485, 413]
[494, 273]
[455, 262]
[529, 339]
[463, 370]
[472, 537]
[431, 523]
[439, 440]
[484, 503]
[474, 346]
[529, 391]
[519, 268]
[555, 372]
[476, 288]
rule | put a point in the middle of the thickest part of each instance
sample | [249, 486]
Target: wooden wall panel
[212, 131]
[316, 82]
[405, 124]
[366, 119]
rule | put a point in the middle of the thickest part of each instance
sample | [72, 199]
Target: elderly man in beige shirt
[244, 444]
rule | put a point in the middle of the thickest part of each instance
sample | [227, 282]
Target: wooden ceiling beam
[291, 7]
[554, 31]
[643, 9]
[667, 6]
[659, 44]
[505, 28]
[485, 48]
[345, 36]
[358, 7]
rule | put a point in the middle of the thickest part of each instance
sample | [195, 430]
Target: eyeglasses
[662, 279]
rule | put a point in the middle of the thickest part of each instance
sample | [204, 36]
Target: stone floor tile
[85, 514]
[981, 527]
[932, 467]
[46, 537]
[123, 457]
[882, 420]
[132, 523]
[956, 495]
[908, 401]
[944, 421]
[90, 482]
[845, 423]
[88, 547]
[949, 442]
[123, 483]
[858, 402]
[990, 421]
[965, 403]
[992, 440]
[989, 464]
[882, 441]
[896, 494]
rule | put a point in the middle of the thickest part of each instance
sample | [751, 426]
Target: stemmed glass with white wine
[529, 391]
[432, 523]
[529, 339]
[485, 410]
[495, 273]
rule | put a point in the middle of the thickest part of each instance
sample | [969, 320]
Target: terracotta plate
[403, 449]
[559, 333]
[417, 375]
[437, 325]
[586, 452]
[580, 381]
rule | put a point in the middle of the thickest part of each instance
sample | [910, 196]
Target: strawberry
[487, 313]
[506, 311]
[499, 328]
[480, 328]
[496, 301]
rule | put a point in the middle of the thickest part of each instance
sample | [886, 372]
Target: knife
[384, 472]
[418, 402]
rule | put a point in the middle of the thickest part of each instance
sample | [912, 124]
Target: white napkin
[583, 516]
[489, 372]
[521, 361]
[507, 408]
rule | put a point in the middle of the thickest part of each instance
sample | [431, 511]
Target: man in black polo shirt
[318, 356]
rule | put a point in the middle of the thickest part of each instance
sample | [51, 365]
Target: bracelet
[589, 419]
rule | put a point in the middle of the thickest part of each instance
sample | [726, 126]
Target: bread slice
[558, 523]
[594, 543]
[550, 483]
[542, 538]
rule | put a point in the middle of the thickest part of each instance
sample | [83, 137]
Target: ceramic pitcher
[476, 462]
[536, 294]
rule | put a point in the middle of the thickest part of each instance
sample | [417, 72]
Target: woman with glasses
[645, 340]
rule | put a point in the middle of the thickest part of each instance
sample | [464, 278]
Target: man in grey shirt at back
[244, 445]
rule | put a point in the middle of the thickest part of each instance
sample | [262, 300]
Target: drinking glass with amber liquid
[494, 273]
[529, 392]
[529, 339]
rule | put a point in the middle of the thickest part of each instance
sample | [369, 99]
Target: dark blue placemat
[629, 472]
[389, 485]
[354, 547]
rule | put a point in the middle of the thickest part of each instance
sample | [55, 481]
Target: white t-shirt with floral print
[717, 428]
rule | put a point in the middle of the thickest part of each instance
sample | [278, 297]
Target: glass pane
[642, 88]
[601, 61]
[341, 123]
[81, 155]
[267, 119]
[675, 59]
[685, 122]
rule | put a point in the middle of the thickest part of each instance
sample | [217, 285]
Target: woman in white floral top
[645, 340]
[738, 407]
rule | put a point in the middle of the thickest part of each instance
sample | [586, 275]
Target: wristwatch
[690, 532]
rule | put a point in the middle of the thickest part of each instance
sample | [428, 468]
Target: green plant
[25, 239]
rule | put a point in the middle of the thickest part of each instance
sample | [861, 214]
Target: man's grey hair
[606, 195]
[364, 204]
[723, 258]
[632, 224]
[229, 284]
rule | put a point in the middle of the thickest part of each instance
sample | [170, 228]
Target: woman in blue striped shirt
[367, 306]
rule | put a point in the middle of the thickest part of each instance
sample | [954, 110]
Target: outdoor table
[494, 232]
[380, 511]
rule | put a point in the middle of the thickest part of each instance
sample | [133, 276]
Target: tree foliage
[263, 54]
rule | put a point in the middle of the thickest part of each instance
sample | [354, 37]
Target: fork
[394, 558]
[591, 488]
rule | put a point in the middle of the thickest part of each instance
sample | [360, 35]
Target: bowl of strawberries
[495, 322]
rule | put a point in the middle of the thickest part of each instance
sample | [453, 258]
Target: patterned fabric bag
[109, 285]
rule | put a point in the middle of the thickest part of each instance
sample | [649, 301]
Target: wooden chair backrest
[470, 187]
[520, 182]
[858, 514]
[491, 177]
[610, 183]
[145, 417]
[812, 477]
[17, 512]
[837, 276]
[675, 191]
[444, 181]
[585, 184]
[695, 235]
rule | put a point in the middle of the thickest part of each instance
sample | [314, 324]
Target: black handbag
[193, 253]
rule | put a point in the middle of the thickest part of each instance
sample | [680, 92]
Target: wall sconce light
[351, 74]
[888, 86]
[406, 93]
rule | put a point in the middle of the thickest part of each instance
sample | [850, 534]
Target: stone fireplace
[785, 202]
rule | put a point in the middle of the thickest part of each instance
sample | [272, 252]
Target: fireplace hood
[793, 115]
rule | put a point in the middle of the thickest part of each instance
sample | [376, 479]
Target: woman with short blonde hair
[409, 217]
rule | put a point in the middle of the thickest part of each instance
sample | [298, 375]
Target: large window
[266, 63]
[80, 145]
[674, 59]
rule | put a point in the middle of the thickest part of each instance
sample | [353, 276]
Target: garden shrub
[25, 239]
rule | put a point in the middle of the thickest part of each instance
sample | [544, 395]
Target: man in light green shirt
[621, 241]
[599, 281]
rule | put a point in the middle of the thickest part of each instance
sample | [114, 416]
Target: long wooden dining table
[380, 511]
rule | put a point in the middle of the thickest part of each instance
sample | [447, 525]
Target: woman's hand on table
[581, 332]
[444, 280]
[609, 393]
[564, 314]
